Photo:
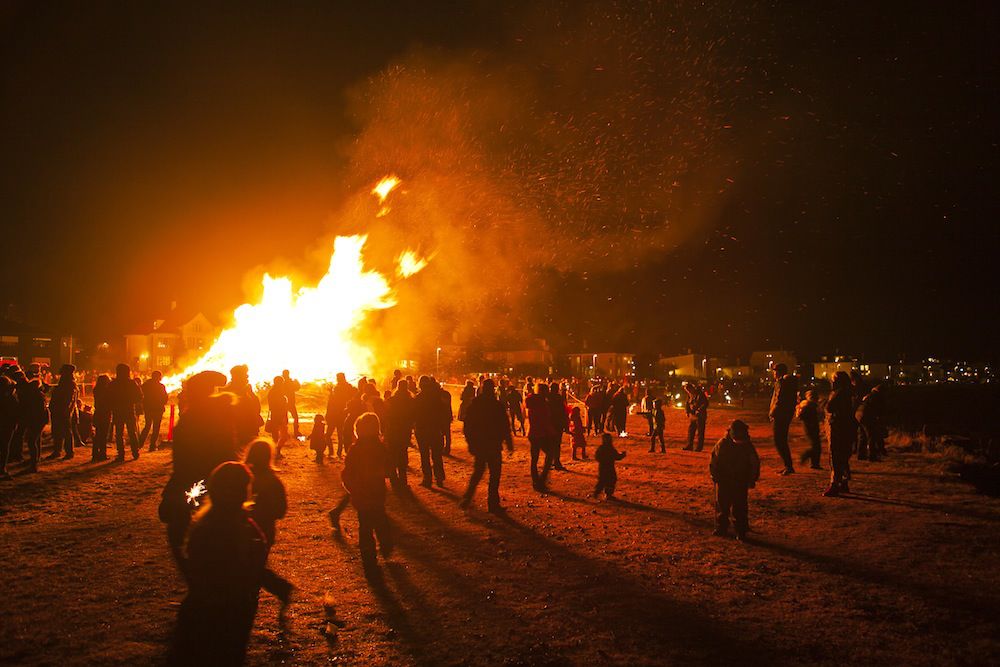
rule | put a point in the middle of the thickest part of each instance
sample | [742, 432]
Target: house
[170, 341]
[685, 365]
[601, 364]
[535, 357]
[827, 367]
[25, 344]
[763, 361]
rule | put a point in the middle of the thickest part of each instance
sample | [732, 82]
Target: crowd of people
[221, 548]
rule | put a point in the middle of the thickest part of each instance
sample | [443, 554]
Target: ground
[904, 571]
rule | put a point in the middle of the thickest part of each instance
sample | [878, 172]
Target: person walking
[291, 388]
[781, 412]
[364, 479]
[430, 421]
[486, 430]
[541, 432]
[399, 418]
[62, 406]
[277, 420]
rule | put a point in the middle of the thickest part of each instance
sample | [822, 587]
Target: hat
[204, 383]
[739, 427]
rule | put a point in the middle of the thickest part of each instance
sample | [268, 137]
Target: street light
[437, 362]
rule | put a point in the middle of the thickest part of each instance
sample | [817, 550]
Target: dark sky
[158, 151]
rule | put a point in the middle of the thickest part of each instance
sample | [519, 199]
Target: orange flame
[382, 190]
[311, 331]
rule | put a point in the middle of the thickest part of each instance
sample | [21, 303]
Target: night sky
[727, 175]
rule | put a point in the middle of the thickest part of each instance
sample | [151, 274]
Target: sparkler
[194, 494]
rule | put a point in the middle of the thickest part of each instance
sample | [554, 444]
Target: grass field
[905, 571]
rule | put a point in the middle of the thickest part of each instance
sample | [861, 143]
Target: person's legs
[33, 436]
[154, 438]
[692, 430]
[338, 509]
[16, 452]
[780, 431]
[118, 426]
[59, 432]
[366, 536]
[478, 468]
[6, 434]
[383, 530]
[536, 449]
[447, 441]
[556, 446]
[424, 447]
[99, 445]
[437, 457]
[276, 585]
[147, 425]
[295, 419]
[723, 504]
[133, 434]
[495, 463]
[741, 517]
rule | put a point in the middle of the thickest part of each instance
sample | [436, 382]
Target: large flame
[311, 331]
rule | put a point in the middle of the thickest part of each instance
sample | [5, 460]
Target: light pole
[437, 362]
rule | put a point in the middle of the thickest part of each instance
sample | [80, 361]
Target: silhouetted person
[594, 401]
[843, 432]
[869, 414]
[205, 436]
[277, 409]
[270, 503]
[514, 402]
[541, 433]
[430, 421]
[355, 408]
[781, 411]
[319, 440]
[33, 415]
[85, 423]
[697, 413]
[154, 403]
[124, 398]
[399, 417]
[576, 432]
[102, 418]
[8, 422]
[62, 405]
[560, 420]
[859, 389]
[468, 393]
[810, 414]
[247, 408]
[607, 456]
[364, 478]
[446, 399]
[291, 387]
[646, 410]
[619, 410]
[735, 468]
[226, 554]
[336, 406]
[486, 430]
[659, 425]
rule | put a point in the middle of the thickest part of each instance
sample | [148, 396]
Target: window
[41, 342]
[163, 362]
[9, 340]
[162, 344]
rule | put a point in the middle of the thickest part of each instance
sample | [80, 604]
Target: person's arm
[754, 465]
[713, 464]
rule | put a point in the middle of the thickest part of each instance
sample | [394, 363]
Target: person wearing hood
[735, 468]
[781, 412]
[486, 430]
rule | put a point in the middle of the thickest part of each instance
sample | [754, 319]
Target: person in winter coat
[782, 409]
[319, 440]
[735, 468]
[62, 407]
[431, 419]
[619, 410]
[399, 417]
[154, 404]
[33, 415]
[659, 425]
[541, 433]
[8, 421]
[810, 414]
[607, 476]
[577, 432]
[560, 418]
[124, 397]
[486, 430]
[247, 407]
[697, 412]
[226, 555]
[843, 430]
[336, 407]
[102, 418]
[869, 415]
[277, 408]
[270, 503]
[364, 479]
[205, 437]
